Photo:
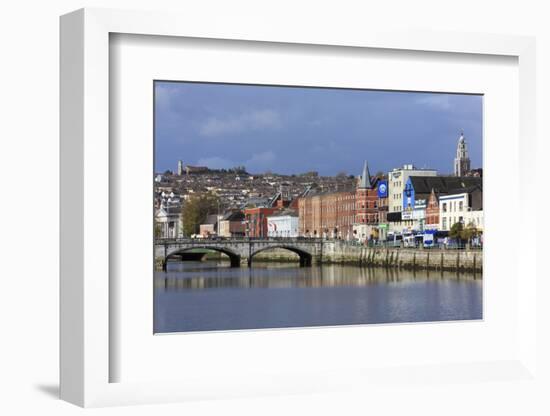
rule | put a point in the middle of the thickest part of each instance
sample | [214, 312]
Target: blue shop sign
[383, 189]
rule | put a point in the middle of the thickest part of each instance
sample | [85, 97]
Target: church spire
[365, 181]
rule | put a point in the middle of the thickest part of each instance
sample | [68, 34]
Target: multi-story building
[461, 205]
[397, 180]
[328, 215]
[419, 215]
[366, 206]
[209, 227]
[256, 221]
[232, 224]
[426, 190]
[366, 199]
[168, 222]
[346, 214]
[256, 218]
[432, 212]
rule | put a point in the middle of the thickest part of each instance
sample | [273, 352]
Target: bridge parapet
[241, 249]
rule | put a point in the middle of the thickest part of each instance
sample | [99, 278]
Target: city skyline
[291, 130]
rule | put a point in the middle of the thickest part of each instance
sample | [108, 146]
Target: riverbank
[407, 258]
[403, 258]
[461, 260]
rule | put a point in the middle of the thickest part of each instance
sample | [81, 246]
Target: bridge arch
[233, 257]
[305, 256]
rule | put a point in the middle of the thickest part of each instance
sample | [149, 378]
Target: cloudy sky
[294, 130]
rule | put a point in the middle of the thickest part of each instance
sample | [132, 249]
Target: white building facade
[397, 180]
[456, 208]
[168, 223]
[283, 225]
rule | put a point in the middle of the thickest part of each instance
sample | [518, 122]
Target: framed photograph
[266, 213]
[266, 228]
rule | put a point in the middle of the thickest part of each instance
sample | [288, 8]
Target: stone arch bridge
[241, 250]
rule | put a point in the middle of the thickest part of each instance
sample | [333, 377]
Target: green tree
[469, 232]
[196, 209]
[158, 229]
[456, 231]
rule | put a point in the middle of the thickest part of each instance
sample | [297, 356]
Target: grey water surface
[208, 296]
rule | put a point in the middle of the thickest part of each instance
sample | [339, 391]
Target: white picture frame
[86, 290]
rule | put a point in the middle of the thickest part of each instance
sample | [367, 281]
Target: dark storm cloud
[293, 130]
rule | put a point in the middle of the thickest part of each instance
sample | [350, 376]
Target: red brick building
[327, 214]
[432, 212]
[366, 199]
[256, 221]
[334, 214]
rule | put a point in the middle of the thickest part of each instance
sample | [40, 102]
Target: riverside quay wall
[406, 258]
[243, 252]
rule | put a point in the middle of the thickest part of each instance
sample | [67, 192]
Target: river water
[208, 296]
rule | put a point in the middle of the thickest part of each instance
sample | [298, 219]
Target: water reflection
[199, 296]
[200, 276]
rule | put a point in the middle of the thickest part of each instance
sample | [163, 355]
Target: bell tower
[462, 161]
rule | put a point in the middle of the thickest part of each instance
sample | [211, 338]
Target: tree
[456, 231]
[469, 232]
[196, 209]
[158, 229]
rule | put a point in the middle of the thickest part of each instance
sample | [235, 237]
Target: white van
[394, 240]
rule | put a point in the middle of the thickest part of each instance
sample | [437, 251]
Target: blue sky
[294, 130]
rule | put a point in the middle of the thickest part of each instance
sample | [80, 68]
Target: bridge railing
[298, 240]
[236, 239]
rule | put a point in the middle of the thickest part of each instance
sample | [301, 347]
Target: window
[460, 206]
[444, 208]
[444, 223]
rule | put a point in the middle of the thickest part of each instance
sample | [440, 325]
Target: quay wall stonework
[331, 251]
[408, 258]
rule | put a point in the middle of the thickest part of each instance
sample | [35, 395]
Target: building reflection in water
[215, 275]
